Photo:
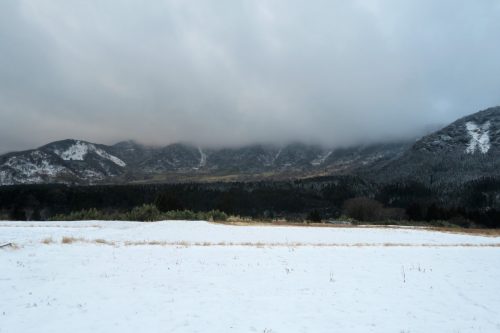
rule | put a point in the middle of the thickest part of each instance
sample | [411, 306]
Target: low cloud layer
[231, 72]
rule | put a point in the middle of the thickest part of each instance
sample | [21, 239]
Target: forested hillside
[474, 203]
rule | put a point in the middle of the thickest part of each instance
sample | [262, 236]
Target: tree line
[475, 203]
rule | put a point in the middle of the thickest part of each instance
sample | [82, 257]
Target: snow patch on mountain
[28, 169]
[110, 157]
[479, 137]
[276, 156]
[79, 150]
[38, 165]
[203, 158]
[75, 152]
[321, 159]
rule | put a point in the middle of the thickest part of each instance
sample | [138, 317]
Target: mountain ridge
[467, 148]
[75, 161]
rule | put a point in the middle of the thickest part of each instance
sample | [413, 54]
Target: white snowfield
[479, 137]
[179, 276]
[79, 150]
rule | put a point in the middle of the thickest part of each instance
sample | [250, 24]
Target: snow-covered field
[178, 276]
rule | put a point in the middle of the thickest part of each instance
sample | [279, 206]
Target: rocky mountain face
[467, 149]
[81, 162]
[64, 161]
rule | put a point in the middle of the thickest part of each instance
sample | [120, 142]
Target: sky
[234, 72]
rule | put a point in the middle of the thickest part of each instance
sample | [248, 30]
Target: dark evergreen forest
[475, 203]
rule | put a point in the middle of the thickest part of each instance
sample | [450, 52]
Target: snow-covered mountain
[467, 149]
[186, 162]
[67, 161]
[81, 162]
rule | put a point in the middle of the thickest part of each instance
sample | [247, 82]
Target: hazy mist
[232, 72]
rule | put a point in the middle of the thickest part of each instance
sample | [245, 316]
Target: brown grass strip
[454, 230]
[184, 244]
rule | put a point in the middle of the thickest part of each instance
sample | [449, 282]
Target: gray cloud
[231, 72]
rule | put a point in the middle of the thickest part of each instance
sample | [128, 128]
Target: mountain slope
[81, 162]
[467, 149]
[67, 161]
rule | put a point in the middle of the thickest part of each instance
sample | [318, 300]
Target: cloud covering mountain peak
[226, 72]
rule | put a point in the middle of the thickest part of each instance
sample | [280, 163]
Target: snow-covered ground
[205, 277]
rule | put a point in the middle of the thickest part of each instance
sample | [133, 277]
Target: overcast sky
[229, 72]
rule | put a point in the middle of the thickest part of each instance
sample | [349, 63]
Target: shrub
[179, 215]
[88, 214]
[145, 213]
[213, 215]
[216, 215]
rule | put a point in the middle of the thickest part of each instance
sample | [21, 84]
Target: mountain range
[466, 149]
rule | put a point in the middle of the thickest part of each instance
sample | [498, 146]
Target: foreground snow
[192, 232]
[258, 279]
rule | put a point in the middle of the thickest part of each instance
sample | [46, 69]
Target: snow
[479, 137]
[271, 279]
[75, 152]
[5, 178]
[199, 231]
[78, 151]
[30, 168]
[277, 155]
[38, 165]
[203, 158]
[110, 157]
[321, 159]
